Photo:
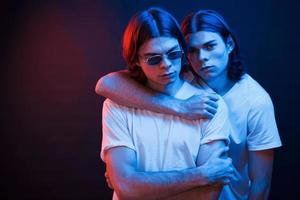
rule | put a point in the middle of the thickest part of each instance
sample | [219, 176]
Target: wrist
[196, 176]
[178, 107]
[203, 179]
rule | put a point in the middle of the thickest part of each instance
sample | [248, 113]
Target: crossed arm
[130, 183]
[121, 88]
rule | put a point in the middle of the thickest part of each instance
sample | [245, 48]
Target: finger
[206, 114]
[223, 181]
[211, 110]
[221, 151]
[213, 96]
[212, 104]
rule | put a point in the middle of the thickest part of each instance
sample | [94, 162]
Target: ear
[230, 44]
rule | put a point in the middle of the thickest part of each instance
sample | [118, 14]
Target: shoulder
[257, 95]
[193, 89]
[112, 108]
[221, 116]
[247, 82]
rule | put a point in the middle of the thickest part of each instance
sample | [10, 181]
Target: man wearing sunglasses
[153, 155]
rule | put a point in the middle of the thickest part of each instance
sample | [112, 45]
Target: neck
[221, 84]
[169, 89]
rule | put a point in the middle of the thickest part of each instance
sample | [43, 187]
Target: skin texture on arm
[204, 159]
[260, 173]
[123, 89]
[129, 183]
[216, 170]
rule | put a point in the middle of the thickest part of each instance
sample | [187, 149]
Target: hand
[108, 181]
[219, 168]
[199, 106]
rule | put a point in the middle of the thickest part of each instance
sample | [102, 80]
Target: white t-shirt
[254, 128]
[162, 142]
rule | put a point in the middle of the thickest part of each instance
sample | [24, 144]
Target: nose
[165, 62]
[203, 55]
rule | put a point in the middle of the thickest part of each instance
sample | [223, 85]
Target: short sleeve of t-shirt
[218, 128]
[115, 130]
[262, 128]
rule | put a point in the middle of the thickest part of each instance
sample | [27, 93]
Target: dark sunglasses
[156, 59]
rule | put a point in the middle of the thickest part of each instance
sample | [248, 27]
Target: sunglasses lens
[154, 60]
[174, 55]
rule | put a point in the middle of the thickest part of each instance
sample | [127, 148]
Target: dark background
[52, 54]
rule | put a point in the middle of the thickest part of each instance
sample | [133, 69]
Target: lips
[206, 68]
[168, 74]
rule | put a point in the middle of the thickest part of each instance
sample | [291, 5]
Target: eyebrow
[209, 42]
[170, 50]
[206, 43]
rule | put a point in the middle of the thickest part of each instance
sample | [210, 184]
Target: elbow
[122, 190]
[110, 82]
[100, 86]
[127, 191]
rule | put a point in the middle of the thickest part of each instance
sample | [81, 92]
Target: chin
[206, 77]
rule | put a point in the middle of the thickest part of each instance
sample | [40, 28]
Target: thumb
[220, 152]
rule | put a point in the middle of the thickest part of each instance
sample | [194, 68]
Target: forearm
[259, 191]
[205, 191]
[260, 173]
[156, 185]
[207, 174]
[199, 193]
[121, 88]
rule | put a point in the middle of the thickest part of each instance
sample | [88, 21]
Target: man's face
[208, 54]
[160, 60]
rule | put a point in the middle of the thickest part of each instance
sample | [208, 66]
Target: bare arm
[121, 88]
[129, 183]
[216, 170]
[260, 172]
[206, 155]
